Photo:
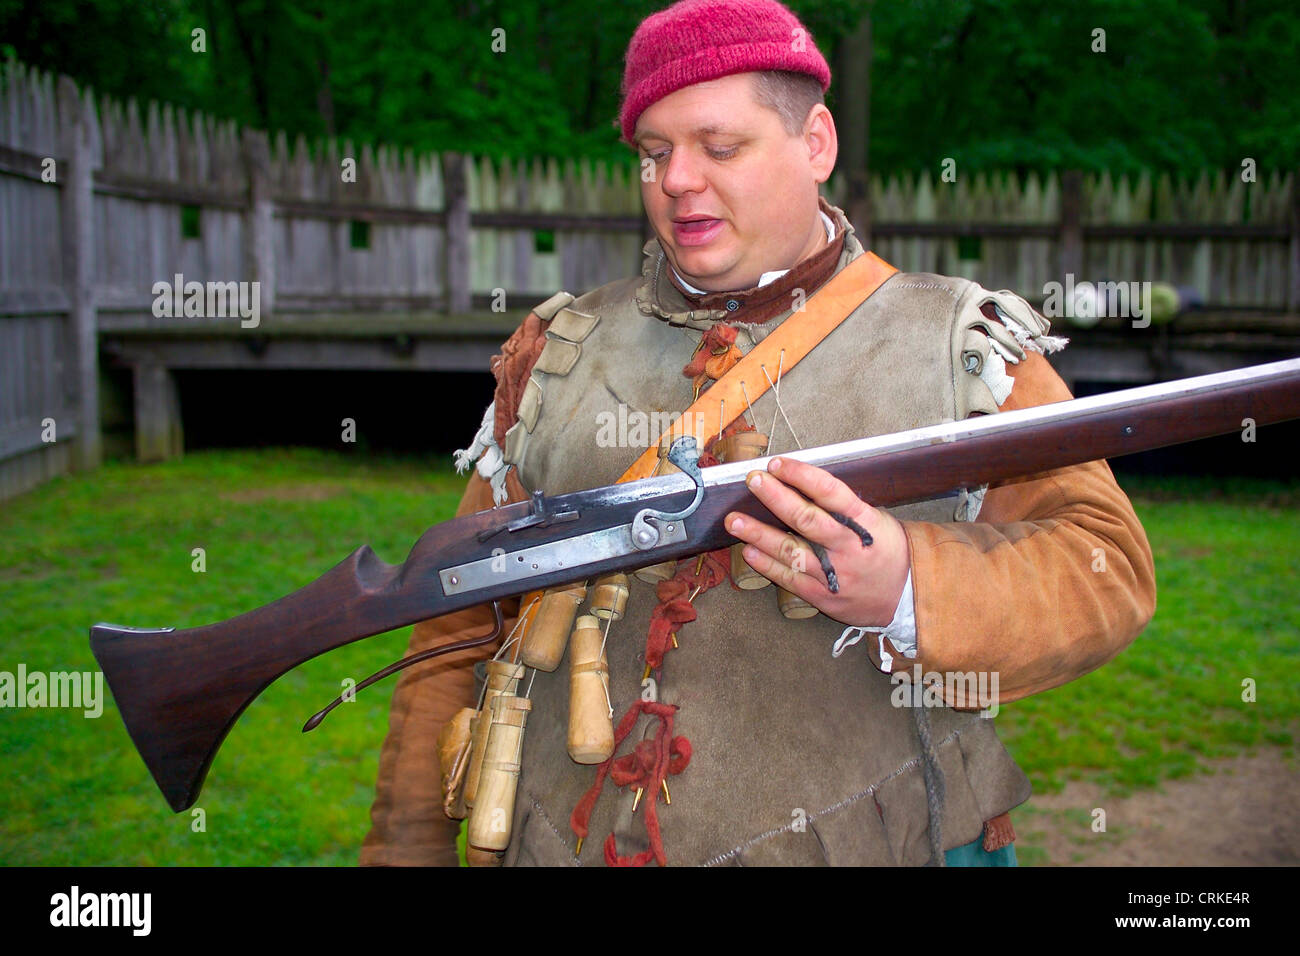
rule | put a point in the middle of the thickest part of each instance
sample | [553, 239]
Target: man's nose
[683, 173]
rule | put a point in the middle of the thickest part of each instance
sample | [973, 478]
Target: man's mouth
[696, 230]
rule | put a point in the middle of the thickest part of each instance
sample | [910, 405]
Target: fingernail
[774, 465]
[736, 524]
[755, 480]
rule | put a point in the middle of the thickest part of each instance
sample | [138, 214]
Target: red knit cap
[697, 40]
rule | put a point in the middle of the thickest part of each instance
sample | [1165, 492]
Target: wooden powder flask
[793, 607]
[743, 446]
[453, 760]
[591, 728]
[476, 857]
[548, 633]
[492, 818]
[609, 596]
[664, 570]
[502, 678]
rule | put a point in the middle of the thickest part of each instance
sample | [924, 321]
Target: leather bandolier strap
[793, 339]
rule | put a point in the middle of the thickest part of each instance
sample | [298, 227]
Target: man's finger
[820, 486]
[804, 517]
[801, 584]
[780, 545]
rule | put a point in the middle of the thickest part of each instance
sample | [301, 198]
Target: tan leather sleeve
[1054, 578]
[408, 827]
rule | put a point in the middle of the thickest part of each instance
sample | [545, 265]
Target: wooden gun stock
[179, 692]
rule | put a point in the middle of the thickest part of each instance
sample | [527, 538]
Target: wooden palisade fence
[100, 200]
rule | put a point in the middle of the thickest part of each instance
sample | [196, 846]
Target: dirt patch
[1243, 814]
[283, 493]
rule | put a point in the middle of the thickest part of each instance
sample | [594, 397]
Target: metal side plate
[510, 566]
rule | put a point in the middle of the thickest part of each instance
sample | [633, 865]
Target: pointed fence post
[77, 217]
[455, 185]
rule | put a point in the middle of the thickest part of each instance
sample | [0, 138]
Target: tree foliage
[1181, 84]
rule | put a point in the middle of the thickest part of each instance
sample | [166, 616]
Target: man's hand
[871, 578]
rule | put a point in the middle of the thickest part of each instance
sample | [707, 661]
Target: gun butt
[180, 692]
[177, 713]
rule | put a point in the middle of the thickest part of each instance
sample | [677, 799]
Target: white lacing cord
[604, 682]
[604, 640]
[776, 394]
[604, 678]
[844, 642]
[749, 406]
[510, 639]
[519, 622]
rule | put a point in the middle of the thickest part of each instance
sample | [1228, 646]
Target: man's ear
[822, 142]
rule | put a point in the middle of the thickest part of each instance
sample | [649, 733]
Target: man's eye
[723, 153]
[658, 155]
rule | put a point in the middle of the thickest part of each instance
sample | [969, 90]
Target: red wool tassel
[581, 816]
[647, 766]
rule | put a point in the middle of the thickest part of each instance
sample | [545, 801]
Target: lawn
[117, 545]
[1226, 628]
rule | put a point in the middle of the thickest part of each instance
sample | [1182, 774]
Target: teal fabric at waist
[973, 854]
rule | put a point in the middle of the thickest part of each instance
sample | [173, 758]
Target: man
[797, 749]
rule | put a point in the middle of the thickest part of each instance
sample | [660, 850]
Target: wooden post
[1293, 285]
[854, 113]
[158, 434]
[259, 244]
[77, 219]
[1070, 254]
[455, 189]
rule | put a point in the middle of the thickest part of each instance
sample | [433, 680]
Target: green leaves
[1166, 84]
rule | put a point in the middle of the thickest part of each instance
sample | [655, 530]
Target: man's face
[733, 194]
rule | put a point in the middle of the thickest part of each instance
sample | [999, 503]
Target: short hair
[792, 95]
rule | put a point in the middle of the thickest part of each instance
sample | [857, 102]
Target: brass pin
[698, 589]
[646, 675]
[699, 564]
[637, 800]
[667, 796]
[578, 851]
[674, 637]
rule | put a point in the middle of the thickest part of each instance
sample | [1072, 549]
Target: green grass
[115, 545]
[1226, 555]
